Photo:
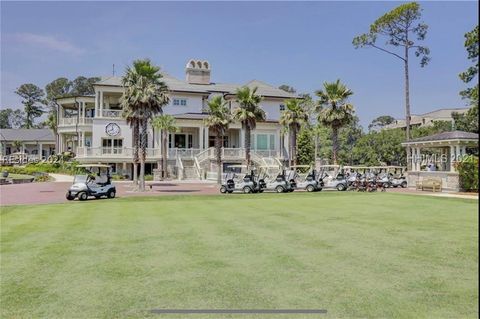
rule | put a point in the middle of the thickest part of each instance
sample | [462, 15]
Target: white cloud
[48, 42]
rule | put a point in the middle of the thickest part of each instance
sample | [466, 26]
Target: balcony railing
[185, 153]
[112, 113]
[113, 152]
[66, 121]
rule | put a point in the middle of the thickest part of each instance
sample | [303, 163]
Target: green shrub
[468, 173]
[43, 178]
[117, 177]
[69, 168]
[149, 177]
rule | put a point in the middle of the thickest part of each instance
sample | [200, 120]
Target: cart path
[54, 192]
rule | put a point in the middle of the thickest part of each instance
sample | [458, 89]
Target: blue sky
[301, 44]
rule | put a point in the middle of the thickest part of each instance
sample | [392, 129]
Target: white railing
[111, 113]
[266, 153]
[120, 152]
[186, 153]
[73, 121]
[203, 155]
[233, 152]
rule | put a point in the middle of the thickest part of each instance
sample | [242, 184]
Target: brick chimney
[198, 72]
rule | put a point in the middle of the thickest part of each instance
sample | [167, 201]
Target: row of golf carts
[279, 179]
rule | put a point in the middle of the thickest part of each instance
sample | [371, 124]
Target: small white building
[35, 143]
[435, 156]
[93, 127]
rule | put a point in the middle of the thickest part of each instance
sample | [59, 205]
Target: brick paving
[54, 192]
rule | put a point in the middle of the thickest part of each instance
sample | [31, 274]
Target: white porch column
[418, 159]
[452, 158]
[97, 103]
[201, 139]
[242, 138]
[206, 137]
[82, 117]
[101, 103]
[40, 149]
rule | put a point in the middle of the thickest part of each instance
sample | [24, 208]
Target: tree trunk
[143, 153]
[135, 173]
[218, 147]
[164, 153]
[294, 145]
[247, 145]
[136, 142]
[335, 144]
[407, 94]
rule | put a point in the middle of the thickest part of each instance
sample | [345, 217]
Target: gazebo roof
[445, 136]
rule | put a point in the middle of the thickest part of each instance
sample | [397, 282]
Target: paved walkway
[54, 192]
[61, 177]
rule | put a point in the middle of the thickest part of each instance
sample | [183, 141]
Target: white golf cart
[307, 180]
[275, 178]
[241, 180]
[332, 176]
[398, 179]
[96, 183]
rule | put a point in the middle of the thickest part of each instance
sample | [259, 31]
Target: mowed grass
[355, 255]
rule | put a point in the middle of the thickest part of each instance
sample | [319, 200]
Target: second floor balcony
[65, 121]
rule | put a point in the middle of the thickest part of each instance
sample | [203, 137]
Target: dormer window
[282, 107]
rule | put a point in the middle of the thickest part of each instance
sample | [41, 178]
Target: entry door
[180, 141]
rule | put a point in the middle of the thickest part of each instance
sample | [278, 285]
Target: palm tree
[292, 119]
[134, 123]
[145, 96]
[165, 123]
[334, 111]
[248, 113]
[218, 120]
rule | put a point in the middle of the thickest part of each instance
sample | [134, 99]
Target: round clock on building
[112, 129]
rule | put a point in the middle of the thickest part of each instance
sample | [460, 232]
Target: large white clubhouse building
[93, 128]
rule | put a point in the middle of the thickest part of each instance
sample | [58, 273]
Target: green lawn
[356, 255]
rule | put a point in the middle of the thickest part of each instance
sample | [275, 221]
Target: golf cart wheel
[111, 194]
[70, 197]
[404, 184]
[279, 189]
[247, 190]
[340, 187]
[223, 189]
[319, 189]
[310, 188]
[82, 196]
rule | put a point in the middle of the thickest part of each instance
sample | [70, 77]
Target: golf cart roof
[93, 165]
[294, 166]
[237, 165]
[329, 166]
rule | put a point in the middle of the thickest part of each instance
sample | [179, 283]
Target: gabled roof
[27, 135]
[453, 135]
[177, 85]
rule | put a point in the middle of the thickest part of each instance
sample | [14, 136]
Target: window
[262, 141]
[112, 145]
[182, 102]
[282, 107]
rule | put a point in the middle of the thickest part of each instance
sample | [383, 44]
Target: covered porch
[434, 157]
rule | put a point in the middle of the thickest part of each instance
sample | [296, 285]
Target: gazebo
[434, 157]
